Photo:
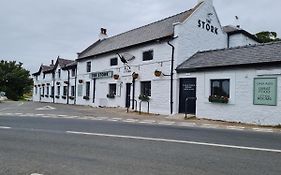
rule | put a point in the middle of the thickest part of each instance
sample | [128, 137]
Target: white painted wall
[240, 107]
[240, 40]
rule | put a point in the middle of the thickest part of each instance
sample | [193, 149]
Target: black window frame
[89, 66]
[59, 73]
[220, 92]
[148, 55]
[114, 61]
[112, 88]
[145, 88]
[72, 91]
[64, 90]
[73, 73]
[88, 88]
[58, 90]
[47, 90]
[52, 90]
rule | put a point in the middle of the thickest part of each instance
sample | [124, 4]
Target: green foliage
[266, 36]
[14, 80]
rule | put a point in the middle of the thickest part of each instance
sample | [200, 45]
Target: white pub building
[186, 63]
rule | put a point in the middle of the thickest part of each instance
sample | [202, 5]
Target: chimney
[103, 34]
[52, 63]
[206, 1]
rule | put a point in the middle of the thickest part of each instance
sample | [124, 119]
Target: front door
[187, 103]
[40, 94]
[128, 95]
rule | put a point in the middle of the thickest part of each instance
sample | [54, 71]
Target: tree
[266, 36]
[14, 79]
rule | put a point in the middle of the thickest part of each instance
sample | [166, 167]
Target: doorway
[128, 95]
[187, 99]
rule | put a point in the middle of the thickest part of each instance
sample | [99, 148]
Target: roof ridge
[240, 47]
[153, 22]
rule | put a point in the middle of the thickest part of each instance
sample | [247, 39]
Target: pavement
[33, 109]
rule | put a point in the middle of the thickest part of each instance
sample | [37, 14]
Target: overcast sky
[36, 31]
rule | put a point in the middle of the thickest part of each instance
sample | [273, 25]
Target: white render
[188, 40]
[240, 107]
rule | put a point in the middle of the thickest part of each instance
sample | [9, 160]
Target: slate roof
[43, 68]
[49, 69]
[238, 56]
[154, 31]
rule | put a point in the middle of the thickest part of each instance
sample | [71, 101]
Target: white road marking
[263, 130]
[100, 118]
[166, 123]
[20, 104]
[186, 124]
[235, 128]
[36, 174]
[5, 127]
[175, 141]
[62, 115]
[210, 126]
[147, 121]
[18, 113]
[130, 120]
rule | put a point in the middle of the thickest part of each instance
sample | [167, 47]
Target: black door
[187, 103]
[128, 95]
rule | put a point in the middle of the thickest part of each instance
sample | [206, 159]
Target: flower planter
[218, 99]
[57, 96]
[47, 96]
[111, 96]
[86, 98]
[63, 97]
[157, 73]
[71, 98]
[42, 95]
[116, 76]
[80, 81]
[48, 84]
[135, 75]
[51, 96]
[66, 82]
[58, 83]
[144, 97]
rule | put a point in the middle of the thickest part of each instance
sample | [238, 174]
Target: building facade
[140, 69]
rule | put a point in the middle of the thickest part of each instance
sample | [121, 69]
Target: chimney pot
[103, 33]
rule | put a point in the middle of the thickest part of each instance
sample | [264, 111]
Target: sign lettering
[208, 27]
[265, 91]
[99, 75]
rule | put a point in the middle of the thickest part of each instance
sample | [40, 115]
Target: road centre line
[5, 127]
[175, 141]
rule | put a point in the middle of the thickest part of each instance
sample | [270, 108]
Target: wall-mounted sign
[99, 75]
[265, 91]
[207, 26]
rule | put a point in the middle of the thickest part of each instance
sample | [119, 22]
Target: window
[73, 72]
[88, 89]
[112, 89]
[113, 62]
[48, 90]
[64, 90]
[80, 90]
[73, 91]
[44, 76]
[36, 90]
[220, 87]
[53, 75]
[43, 93]
[59, 73]
[146, 88]
[147, 55]
[58, 90]
[52, 91]
[88, 66]
[36, 78]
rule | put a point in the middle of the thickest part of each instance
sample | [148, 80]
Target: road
[53, 146]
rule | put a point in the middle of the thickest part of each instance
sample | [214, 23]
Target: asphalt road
[52, 146]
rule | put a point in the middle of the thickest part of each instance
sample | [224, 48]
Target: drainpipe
[68, 79]
[172, 77]
[75, 85]
[53, 87]
[134, 82]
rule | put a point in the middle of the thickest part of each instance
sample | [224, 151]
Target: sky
[35, 31]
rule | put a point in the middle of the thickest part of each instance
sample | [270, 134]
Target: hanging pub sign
[265, 91]
[99, 75]
[207, 26]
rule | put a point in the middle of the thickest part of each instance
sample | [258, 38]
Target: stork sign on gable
[125, 58]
